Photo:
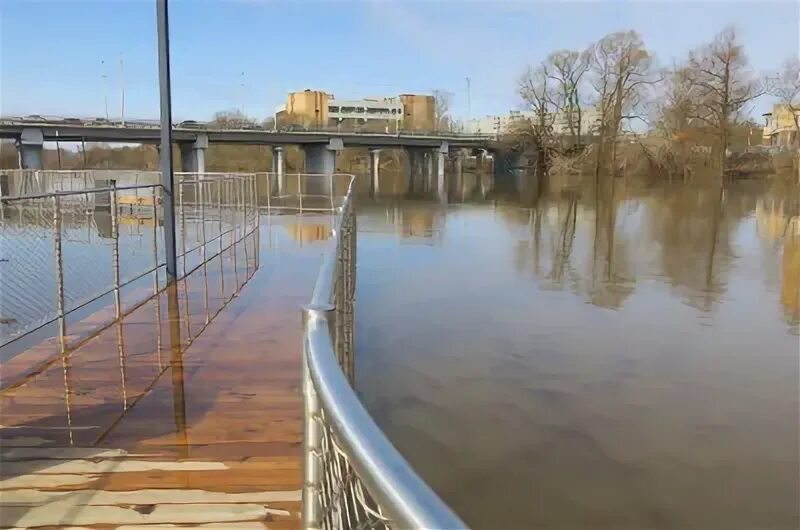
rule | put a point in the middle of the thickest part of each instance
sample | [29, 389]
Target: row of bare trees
[617, 84]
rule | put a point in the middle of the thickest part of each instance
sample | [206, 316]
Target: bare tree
[566, 68]
[538, 92]
[442, 101]
[674, 123]
[621, 69]
[232, 118]
[724, 85]
[786, 87]
[676, 106]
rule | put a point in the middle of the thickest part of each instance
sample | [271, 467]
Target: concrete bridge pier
[459, 163]
[279, 169]
[374, 171]
[321, 159]
[193, 155]
[441, 183]
[487, 179]
[30, 146]
[417, 173]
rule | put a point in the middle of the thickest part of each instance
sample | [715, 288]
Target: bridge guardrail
[353, 475]
[218, 127]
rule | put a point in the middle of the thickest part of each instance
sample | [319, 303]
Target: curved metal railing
[353, 476]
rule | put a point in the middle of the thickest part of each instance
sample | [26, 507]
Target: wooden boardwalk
[137, 430]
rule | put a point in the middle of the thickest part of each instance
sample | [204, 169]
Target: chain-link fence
[353, 476]
[85, 241]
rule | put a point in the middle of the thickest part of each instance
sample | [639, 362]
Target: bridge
[320, 146]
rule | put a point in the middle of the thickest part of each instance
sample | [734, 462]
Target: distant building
[317, 109]
[779, 127]
[308, 108]
[418, 112]
[501, 124]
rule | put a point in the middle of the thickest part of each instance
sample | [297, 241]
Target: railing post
[312, 437]
[221, 261]
[202, 198]
[235, 201]
[219, 211]
[62, 324]
[245, 222]
[183, 223]
[257, 222]
[115, 251]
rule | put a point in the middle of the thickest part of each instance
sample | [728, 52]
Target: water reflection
[600, 357]
[687, 238]
[147, 342]
[309, 232]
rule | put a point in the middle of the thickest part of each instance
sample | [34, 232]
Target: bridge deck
[128, 431]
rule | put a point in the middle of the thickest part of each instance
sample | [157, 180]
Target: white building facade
[501, 124]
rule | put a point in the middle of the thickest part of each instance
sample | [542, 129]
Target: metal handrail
[403, 499]
[85, 191]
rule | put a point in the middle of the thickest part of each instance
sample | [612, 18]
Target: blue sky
[249, 53]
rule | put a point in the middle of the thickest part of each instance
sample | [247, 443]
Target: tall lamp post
[167, 177]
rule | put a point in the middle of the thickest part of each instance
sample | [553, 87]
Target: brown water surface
[626, 361]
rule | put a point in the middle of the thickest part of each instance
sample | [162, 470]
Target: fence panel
[80, 241]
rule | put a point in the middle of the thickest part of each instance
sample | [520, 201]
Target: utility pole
[104, 79]
[469, 99]
[122, 88]
[243, 97]
[167, 177]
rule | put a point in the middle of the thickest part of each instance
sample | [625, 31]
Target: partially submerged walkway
[131, 429]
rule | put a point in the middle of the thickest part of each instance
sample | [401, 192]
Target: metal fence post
[62, 324]
[257, 222]
[245, 222]
[221, 261]
[219, 211]
[201, 198]
[155, 240]
[115, 251]
[183, 224]
[235, 202]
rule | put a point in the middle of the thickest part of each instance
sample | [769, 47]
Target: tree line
[701, 102]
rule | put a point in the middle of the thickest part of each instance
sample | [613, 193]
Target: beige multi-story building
[316, 109]
[418, 112]
[308, 108]
[780, 128]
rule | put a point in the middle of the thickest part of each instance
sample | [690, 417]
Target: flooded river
[573, 358]
[579, 362]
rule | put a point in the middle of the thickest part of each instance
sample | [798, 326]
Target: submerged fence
[353, 476]
[86, 240]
